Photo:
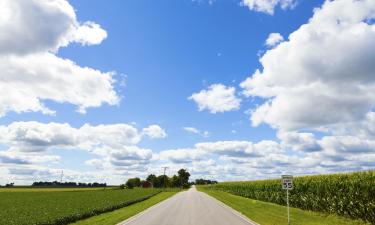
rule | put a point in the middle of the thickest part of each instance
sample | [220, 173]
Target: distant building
[146, 184]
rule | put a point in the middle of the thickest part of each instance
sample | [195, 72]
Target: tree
[175, 181]
[164, 181]
[183, 175]
[152, 179]
[133, 182]
[204, 182]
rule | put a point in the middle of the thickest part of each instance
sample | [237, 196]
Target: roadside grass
[266, 213]
[117, 216]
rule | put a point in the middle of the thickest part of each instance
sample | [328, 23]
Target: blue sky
[163, 53]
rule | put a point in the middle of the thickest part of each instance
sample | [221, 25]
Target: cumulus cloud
[154, 131]
[323, 75]
[274, 39]
[268, 6]
[38, 137]
[31, 71]
[49, 25]
[239, 148]
[217, 98]
[194, 130]
[299, 141]
[30, 143]
[179, 156]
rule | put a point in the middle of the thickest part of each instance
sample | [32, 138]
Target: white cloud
[29, 145]
[323, 75]
[90, 33]
[268, 6]
[218, 98]
[239, 148]
[154, 131]
[129, 156]
[299, 141]
[274, 39]
[179, 156]
[38, 137]
[49, 25]
[194, 130]
[32, 73]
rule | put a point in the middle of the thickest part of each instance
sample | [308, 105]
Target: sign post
[287, 184]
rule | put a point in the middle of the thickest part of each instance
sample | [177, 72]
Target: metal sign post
[287, 184]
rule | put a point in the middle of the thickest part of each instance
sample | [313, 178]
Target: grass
[63, 207]
[266, 213]
[119, 215]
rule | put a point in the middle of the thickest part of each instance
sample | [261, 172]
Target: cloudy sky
[229, 89]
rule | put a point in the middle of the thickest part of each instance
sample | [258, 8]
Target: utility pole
[61, 177]
[165, 168]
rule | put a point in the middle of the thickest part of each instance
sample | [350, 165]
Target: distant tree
[133, 182]
[67, 184]
[162, 181]
[9, 185]
[152, 179]
[175, 181]
[184, 175]
[204, 182]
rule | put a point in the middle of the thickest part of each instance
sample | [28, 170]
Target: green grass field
[266, 213]
[63, 206]
[114, 217]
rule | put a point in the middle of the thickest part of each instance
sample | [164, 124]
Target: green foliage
[133, 182]
[184, 175]
[351, 195]
[163, 181]
[58, 208]
[175, 181]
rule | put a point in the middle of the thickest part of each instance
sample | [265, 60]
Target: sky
[103, 91]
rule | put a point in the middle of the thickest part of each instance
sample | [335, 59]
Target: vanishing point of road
[189, 208]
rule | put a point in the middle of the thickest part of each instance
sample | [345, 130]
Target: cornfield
[346, 194]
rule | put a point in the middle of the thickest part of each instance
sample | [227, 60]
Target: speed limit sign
[287, 182]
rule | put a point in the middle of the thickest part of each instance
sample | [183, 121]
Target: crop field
[63, 207]
[351, 195]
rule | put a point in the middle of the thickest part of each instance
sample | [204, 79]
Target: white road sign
[287, 182]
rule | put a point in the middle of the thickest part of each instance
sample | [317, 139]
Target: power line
[62, 174]
[165, 168]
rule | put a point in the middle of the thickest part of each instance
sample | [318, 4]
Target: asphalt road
[189, 208]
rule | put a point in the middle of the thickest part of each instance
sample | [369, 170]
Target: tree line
[205, 182]
[179, 180]
[67, 184]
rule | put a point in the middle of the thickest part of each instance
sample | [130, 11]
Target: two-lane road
[189, 208]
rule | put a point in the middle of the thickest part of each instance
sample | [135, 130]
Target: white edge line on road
[131, 219]
[235, 212]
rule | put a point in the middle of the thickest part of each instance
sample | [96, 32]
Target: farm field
[265, 213]
[48, 206]
[351, 195]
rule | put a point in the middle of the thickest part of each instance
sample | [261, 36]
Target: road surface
[189, 208]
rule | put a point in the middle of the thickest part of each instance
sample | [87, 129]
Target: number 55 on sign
[287, 182]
